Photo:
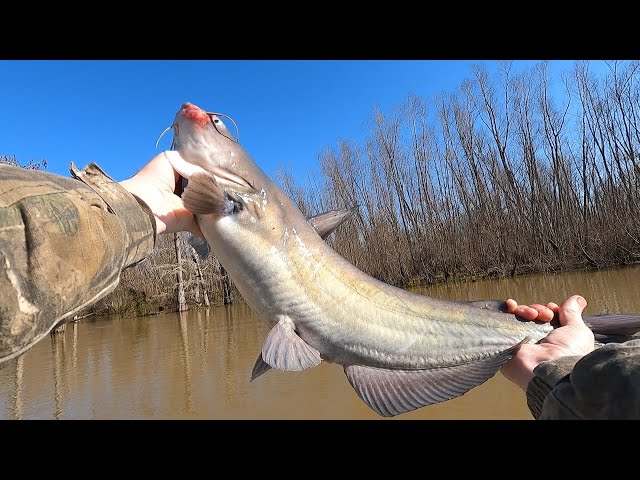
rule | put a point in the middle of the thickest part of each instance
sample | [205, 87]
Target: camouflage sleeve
[604, 384]
[63, 245]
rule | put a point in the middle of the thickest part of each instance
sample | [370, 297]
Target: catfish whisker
[162, 134]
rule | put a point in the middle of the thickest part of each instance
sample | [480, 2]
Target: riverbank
[521, 271]
[128, 303]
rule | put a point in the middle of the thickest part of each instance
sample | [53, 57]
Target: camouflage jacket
[63, 244]
[603, 385]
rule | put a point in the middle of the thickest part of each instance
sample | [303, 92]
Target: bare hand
[156, 184]
[573, 337]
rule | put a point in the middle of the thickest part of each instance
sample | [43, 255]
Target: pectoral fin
[392, 392]
[326, 223]
[203, 195]
[283, 349]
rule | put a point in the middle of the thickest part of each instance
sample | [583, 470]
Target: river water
[197, 365]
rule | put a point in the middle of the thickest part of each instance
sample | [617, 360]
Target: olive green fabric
[63, 245]
[604, 385]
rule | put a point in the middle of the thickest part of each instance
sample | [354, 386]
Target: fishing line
[211, 114]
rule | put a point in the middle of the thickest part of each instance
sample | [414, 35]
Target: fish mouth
[194, 113]
[202, 117]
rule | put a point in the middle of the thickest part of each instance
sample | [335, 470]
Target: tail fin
[614, 324]
[603, 338]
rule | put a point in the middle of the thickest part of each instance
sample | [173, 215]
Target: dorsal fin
[326, 223]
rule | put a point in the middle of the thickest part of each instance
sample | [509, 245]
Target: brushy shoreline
[503, 176]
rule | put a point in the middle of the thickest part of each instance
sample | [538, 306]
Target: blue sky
[288, 111]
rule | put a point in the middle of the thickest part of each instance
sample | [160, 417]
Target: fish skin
[400, 350]
[324, 224]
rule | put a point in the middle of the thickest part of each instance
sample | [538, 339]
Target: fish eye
[216, 121]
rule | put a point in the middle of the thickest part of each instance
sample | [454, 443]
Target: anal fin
[393, 392]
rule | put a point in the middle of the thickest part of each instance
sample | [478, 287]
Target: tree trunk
[199, 279]
[226, 286]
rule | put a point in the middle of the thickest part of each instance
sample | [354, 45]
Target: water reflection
[186, 363]
[17, 409]
[197, 365]
[57, 348]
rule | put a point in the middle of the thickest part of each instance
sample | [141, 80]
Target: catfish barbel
[400, 350]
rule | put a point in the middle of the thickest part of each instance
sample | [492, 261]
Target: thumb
[570, 311]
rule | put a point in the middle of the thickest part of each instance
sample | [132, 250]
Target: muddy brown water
[197, 365]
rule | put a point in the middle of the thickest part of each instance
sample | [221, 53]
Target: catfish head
[205, 143]
[235, 202]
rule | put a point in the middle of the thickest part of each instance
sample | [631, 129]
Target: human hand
[156, 184]
[573, 337]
